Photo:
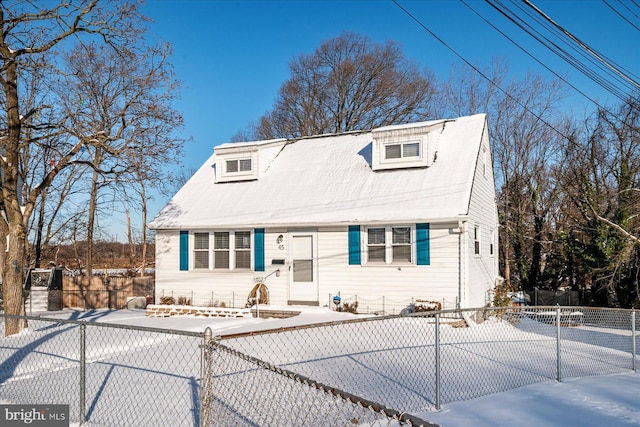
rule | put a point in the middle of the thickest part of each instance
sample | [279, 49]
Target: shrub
[184, 301]
[217, 303]
[350, 308]
[501, 296]
[167, 300]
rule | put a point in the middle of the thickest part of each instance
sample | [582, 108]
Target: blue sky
[232, 56]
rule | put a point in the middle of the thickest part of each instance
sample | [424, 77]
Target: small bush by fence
[369, 370]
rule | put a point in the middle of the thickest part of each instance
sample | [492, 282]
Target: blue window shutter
[354, 245]
[258, 249]
[422, 244]
[184, 250]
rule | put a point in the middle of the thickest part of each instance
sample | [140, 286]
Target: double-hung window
[221, 249]
[390, 245]
[201, 250]
[242, 249]
[401, 244]
[232, 250]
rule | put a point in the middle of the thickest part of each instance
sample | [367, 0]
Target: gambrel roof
[331, 180]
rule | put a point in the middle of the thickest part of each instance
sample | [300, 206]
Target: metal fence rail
[378, 370]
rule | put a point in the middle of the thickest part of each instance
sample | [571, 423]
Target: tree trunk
[144, 229]
[536, 253]
[14, 256]
[93, 201]
[39, 229]
[132, 246]
[12, 278]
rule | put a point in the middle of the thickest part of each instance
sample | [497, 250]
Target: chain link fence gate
[239, 389]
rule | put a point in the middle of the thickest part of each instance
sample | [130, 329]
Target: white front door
[303, 263]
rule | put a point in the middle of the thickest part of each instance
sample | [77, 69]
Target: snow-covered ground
[114, 379]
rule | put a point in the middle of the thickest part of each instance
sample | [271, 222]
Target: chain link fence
[374, 371]
[419, 362]
[109, 375]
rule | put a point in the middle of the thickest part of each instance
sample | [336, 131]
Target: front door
[303, 286]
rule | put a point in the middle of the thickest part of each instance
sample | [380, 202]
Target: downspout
[462, 274]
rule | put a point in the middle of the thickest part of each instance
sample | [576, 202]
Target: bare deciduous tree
[32, 38]
[348, 83]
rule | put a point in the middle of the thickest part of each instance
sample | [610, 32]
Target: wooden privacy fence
[104, 292]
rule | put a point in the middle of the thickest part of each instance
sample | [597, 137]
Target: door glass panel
[302, 252]
[303, 270]
[302, 247]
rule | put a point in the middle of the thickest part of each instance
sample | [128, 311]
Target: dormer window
[402, 151]
[237, 167]
[241, 165]
[245, 161]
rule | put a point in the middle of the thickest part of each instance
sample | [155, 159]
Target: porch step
[307, 303]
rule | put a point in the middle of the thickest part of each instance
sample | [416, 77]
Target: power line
[531, 55]
[477, 70]
[622, 15]
[610, 86]
[608, 63]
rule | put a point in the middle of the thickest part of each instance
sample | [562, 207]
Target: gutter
[460, 220]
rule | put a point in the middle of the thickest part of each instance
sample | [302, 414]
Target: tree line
[107, 254]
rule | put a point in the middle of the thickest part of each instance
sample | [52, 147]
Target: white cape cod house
[405, 211]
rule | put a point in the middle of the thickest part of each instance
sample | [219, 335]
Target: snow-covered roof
[329, 180]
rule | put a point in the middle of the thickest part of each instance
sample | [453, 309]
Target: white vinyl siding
[481, 271]
[436, 282]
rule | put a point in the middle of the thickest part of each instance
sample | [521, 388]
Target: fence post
[437, 361]
[558, 359]
[633, 338]
[83, 343]
[206, 384]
